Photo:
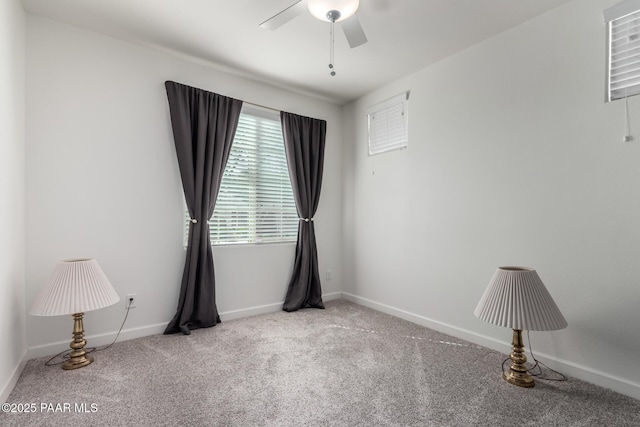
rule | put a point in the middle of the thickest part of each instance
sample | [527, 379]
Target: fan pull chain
[331, 54]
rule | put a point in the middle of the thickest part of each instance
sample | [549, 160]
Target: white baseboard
[250, 311]
[575, 370]
[331, 296]
[268, 308]
[13, 379]
[143, 331]
[96, 340]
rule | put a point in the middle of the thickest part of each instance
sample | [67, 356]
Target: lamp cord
[537, 365]
[65, 354]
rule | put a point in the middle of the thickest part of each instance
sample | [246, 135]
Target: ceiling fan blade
[285, 16]
[354, 32]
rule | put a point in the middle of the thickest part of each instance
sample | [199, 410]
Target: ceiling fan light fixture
[321, 8]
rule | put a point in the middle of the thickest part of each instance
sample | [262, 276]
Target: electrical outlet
[329, 274]
[130, 301]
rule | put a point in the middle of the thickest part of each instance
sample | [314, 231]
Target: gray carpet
[343, 366]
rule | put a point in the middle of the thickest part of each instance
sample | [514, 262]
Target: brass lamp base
[517, 373]
[78, 357]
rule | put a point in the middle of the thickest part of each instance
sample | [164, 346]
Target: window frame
[615, 13]
[394, 133]
[273, 177]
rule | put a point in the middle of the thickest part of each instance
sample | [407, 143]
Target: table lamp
[75, 287]
[516, 298]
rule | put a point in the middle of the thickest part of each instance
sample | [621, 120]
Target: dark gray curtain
[204, 124]
[304, 140]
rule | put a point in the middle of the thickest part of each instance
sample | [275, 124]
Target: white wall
[513, 159]
[102, 181]
[12, 308]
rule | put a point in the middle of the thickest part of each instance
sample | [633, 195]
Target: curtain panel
[204, 125]
[304, 141]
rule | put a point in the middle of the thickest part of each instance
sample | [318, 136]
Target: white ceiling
[404, 35]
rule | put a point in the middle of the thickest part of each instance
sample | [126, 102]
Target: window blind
[255, 203]
[388, 124]
[623, 22]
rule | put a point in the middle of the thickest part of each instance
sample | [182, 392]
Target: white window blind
[623, 23]
[388, 124]
[255, 203]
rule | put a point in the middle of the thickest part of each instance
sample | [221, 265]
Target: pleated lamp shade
[516, 298]
[76, 286]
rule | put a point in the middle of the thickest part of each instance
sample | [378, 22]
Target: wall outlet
[329, 274]
[133, 298]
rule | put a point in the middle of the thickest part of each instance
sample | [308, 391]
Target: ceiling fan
[333, 11]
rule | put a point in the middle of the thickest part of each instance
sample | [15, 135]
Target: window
[388, 124]
[623, 71]
[255, 203]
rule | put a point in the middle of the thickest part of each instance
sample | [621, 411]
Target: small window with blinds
[388, 124]
[255, 202]
[623, 71]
